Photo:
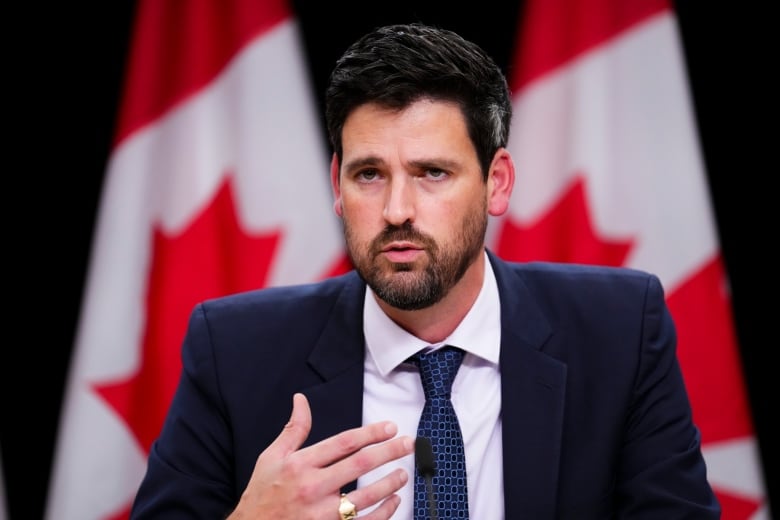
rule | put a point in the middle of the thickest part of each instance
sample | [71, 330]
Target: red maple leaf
[211, 257]
[564, 234]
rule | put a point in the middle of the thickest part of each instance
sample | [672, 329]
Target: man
[569, 398]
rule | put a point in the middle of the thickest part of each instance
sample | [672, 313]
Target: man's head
[419, 119]
[398, 64]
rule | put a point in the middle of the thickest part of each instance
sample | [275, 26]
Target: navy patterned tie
[439, 423]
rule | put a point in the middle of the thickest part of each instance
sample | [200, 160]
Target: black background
[62, 98]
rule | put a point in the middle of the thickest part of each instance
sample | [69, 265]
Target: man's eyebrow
[361, 162]
[430, 162]
[435, 162]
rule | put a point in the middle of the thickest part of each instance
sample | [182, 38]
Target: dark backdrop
[62, 102]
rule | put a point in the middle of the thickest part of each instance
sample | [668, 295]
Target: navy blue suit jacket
[596, 420]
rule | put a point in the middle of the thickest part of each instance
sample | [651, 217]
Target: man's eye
[367, 175]
[436, 174]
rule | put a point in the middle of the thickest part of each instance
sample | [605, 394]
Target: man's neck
[435, 323]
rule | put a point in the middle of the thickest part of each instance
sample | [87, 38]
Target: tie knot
[438, 370]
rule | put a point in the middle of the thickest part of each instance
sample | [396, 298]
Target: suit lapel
[533, 388]
[337, 402]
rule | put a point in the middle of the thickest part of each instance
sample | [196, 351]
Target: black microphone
[423, 454]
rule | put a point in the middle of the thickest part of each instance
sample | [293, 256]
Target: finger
[373, 493]
[343, 444]
[368, 458]
[297, 428]
[385, 510]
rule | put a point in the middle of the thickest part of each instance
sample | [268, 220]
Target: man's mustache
[402, 233]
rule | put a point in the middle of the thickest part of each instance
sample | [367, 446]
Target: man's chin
[402, 267]
[398, 277]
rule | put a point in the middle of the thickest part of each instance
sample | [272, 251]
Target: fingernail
[408, 443]
[391, 428]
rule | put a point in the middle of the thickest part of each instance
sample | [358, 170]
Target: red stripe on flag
[555, 31]
[162, 72]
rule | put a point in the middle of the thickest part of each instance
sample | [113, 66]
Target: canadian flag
[217, 182]
[610, 172]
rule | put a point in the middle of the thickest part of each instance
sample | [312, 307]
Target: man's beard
[398, 284]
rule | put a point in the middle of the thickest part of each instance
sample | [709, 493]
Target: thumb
[297, 428]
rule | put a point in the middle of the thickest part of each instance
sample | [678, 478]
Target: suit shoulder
[584, 283]
[554, 272]
[284, 298]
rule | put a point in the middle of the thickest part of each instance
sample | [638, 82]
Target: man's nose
[400, 201]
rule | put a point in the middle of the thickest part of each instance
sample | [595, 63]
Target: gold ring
[347, 509]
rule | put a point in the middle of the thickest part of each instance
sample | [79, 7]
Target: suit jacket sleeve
[189, 470]
[662, 473]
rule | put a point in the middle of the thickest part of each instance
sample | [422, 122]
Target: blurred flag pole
[3, 494]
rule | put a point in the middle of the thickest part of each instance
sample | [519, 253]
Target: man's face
[412, 199]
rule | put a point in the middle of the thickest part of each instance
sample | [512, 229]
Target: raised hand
[290, 482]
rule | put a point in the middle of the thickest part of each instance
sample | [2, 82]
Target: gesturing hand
[300, 484]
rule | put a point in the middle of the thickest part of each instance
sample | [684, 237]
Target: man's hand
[300, 484]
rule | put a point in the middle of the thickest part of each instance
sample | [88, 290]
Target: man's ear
[501, 181]
[334, 184]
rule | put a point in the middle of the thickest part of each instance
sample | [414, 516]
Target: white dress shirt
[393, 391]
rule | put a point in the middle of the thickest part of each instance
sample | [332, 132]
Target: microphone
[423, 454]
